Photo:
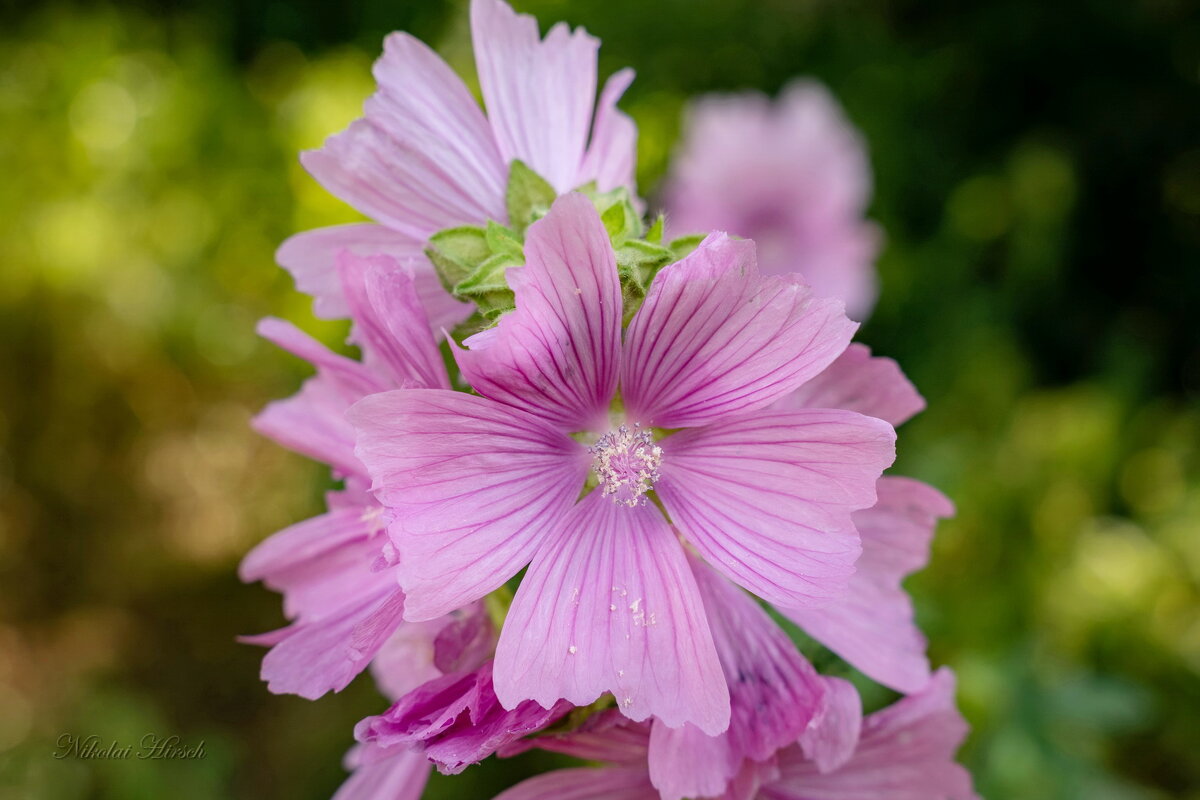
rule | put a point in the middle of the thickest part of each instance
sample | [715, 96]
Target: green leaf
[528, 196]
[457, 252]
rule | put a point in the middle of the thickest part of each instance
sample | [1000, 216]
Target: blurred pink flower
[792, 175]
[481, 486]
[425, 157]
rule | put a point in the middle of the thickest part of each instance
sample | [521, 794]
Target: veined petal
[714, 339]
[766, 499]
[585, 783]
[398, 775]
[832, 734]
[905, 752]
[539, 93]
[872, 625]
[773, 692]
[856, 381]
[310, 258]
[422, 100]
[474, 487]
[399, 182]
[310, 658]
[611, 158]
[610, 605]
[389, 322]
[313, 421]
[556, 355]
[317, 563]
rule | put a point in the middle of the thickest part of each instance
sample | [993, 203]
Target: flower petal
[556, 355]
[610, 605]
[314, 562]
[585, 783]
[389, 322]
[773, 693]
[400, 775]
[872, 625]
[832, 735]
[858, 382]
[714, 339]
[310, 257]
[539, 93]
[474, 487]
[906, 752]
[310, 658]
[422, 158]
[611, 158]
[767, 499]
[313, 421]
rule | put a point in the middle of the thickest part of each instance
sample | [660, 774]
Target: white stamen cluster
[626, 463]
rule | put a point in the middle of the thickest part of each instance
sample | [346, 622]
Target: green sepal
[457, 252]
[528, 196]
[504, 240]
[655, 234]
[618, 214]
[684, 245]
[487, 286]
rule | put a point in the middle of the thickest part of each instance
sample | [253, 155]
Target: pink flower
[425, 157]
[791, 175]
[339, 586]
[904, 752]
[479, 487]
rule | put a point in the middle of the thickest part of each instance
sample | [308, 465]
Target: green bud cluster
[472, 261]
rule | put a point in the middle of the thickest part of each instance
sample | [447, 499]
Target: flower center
[626, 463]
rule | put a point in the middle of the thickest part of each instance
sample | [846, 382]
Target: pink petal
[401, 775]
[310, 257]
[539, 94]
[773, 693]
[456, 720]
[607, 736]
[313, 421]
[389, 322]
[423, 101]
[421, 159]
[610, 605]
[556, 355]
[872, 625]
[611, 158]
[857, 382]
[767, 499]
[315, 563]
[906, 752]
[585, 783]
[475, 487]
[310, 658]
[832, 735]
[714, 339]
[406, 660]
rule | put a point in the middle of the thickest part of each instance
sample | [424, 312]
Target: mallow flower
[903, 752]
[592, 452]
[425, 157]
[791, 174]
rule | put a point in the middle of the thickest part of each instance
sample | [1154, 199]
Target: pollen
[626, 462]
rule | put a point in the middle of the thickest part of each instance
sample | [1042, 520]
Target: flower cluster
[647, 455]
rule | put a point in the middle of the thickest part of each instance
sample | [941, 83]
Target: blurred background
[1038, 176]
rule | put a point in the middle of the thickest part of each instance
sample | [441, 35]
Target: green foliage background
[1038, 175]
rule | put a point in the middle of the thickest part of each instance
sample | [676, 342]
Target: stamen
[626, 462]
